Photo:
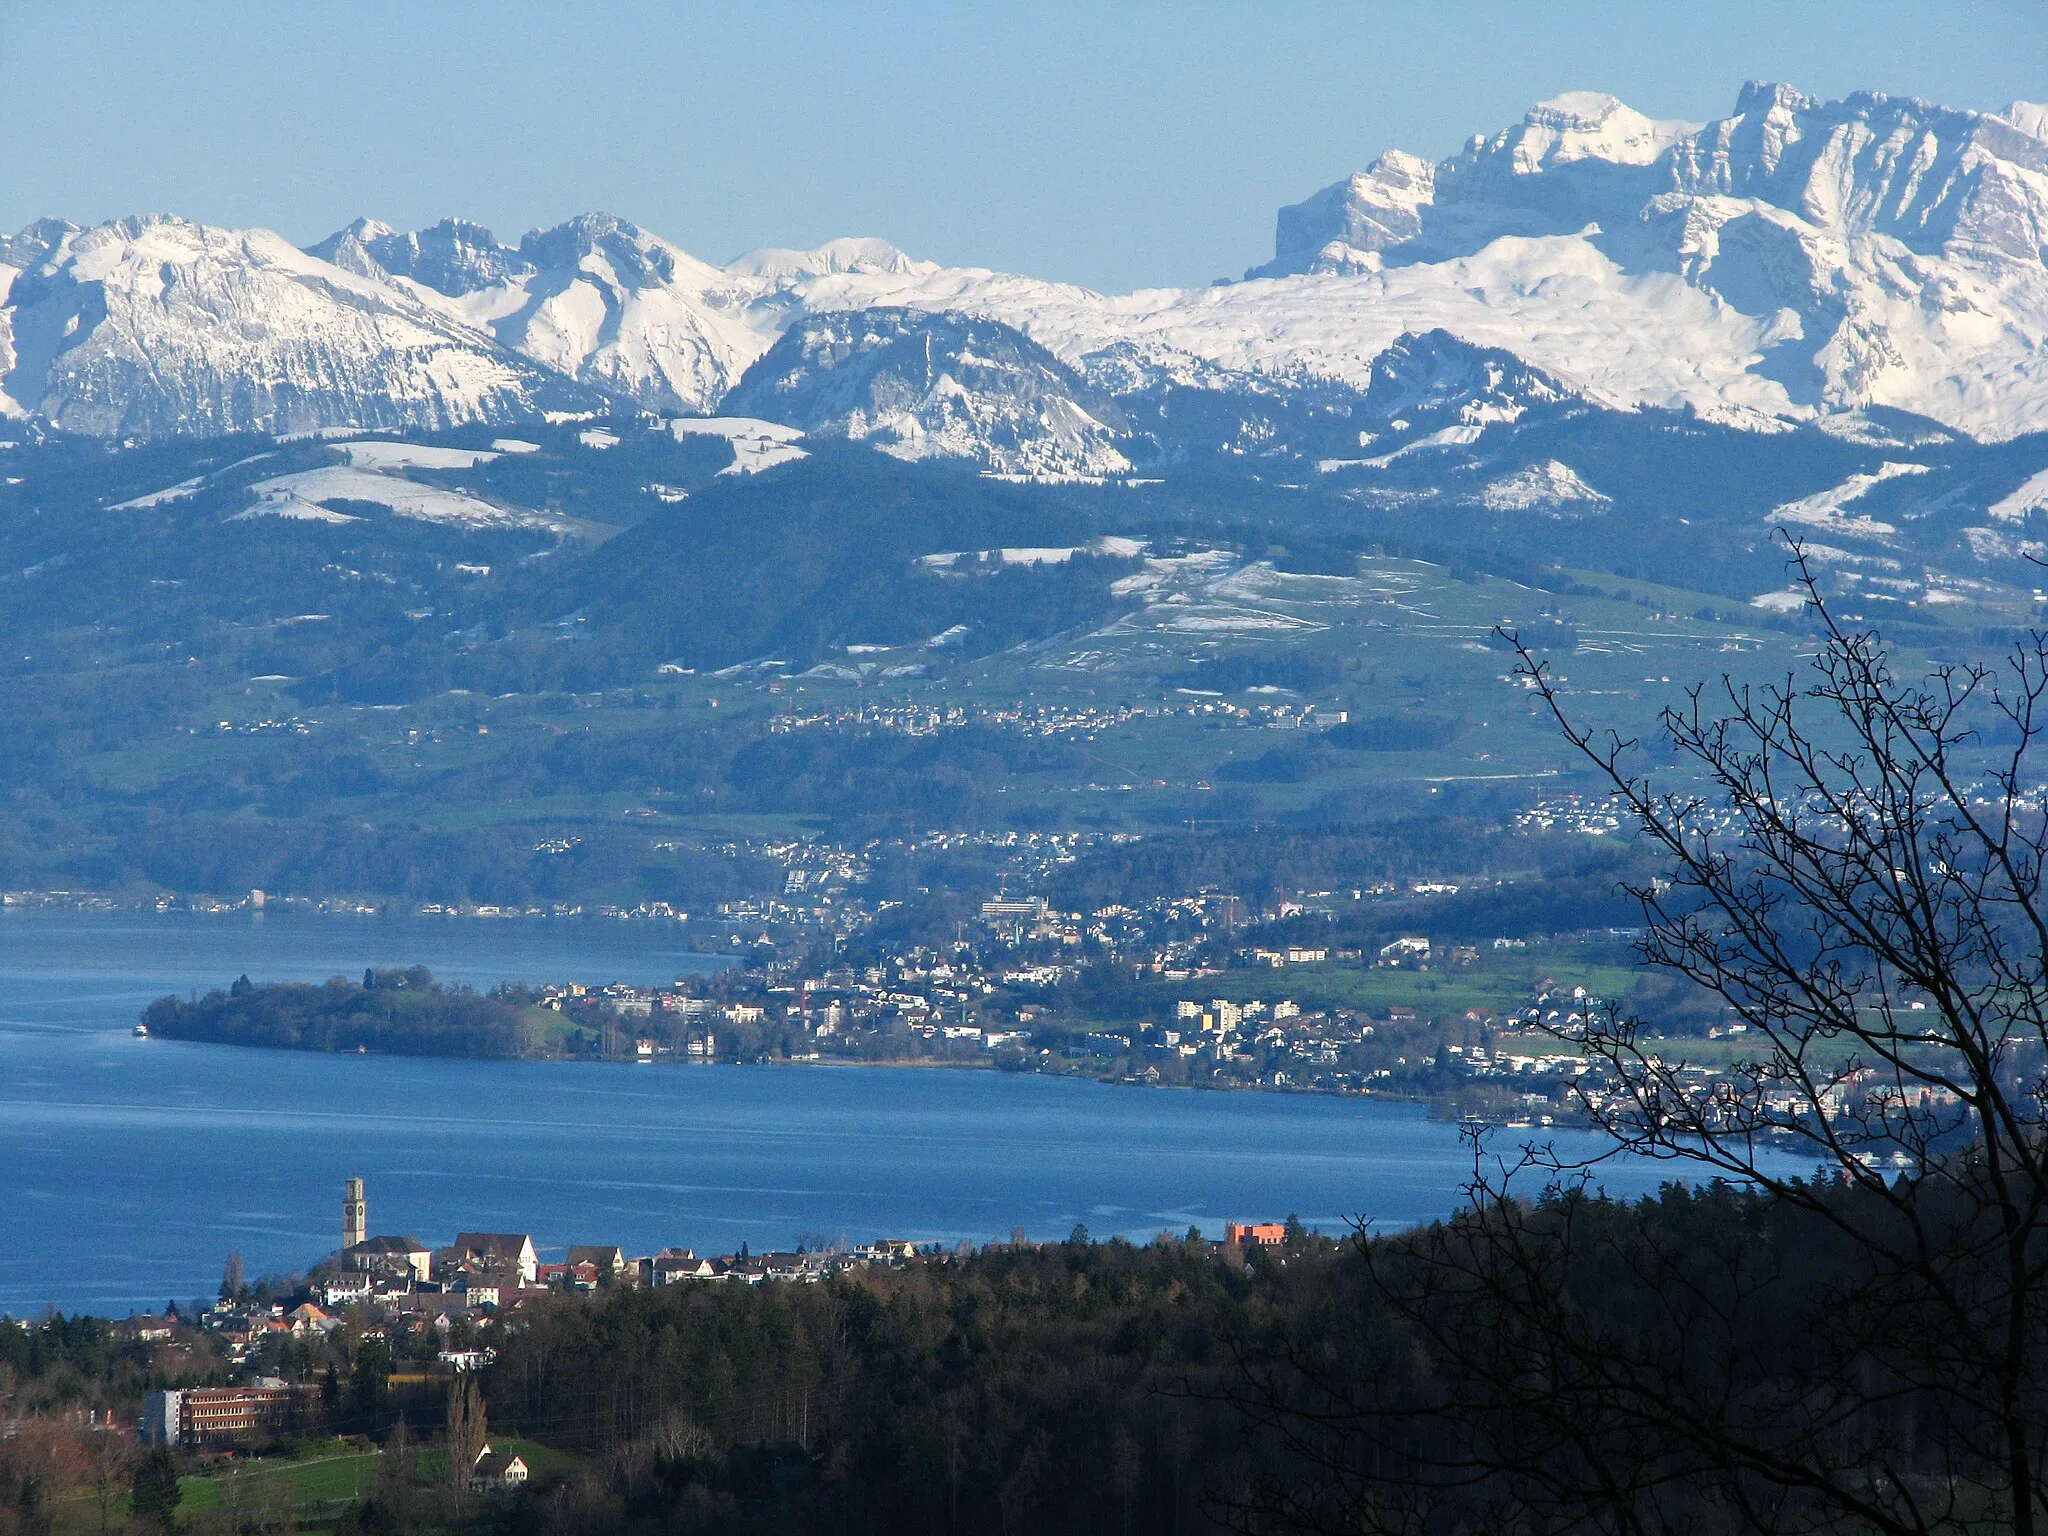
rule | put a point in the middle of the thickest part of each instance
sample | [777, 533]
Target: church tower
[354, 1215]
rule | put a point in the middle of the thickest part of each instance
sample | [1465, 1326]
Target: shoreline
[1439, 1109]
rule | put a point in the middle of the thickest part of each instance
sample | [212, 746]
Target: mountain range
[1875, 265]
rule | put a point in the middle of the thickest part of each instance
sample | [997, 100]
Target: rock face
[1436, 380]
[1552, 488]
[455, 257]
[920, 385]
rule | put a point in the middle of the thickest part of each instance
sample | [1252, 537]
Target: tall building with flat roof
[214, 1415]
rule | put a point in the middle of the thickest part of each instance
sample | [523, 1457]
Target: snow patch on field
[1116, 546]
[1779, 602]
[170, 493]
[2029, 497]
[1207, 592]
[1827, 509]
[387, 457]
[1177, 571]
[307, 494]
[756, 445]
[1460, 436]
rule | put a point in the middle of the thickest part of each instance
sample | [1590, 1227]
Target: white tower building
[355, 1215]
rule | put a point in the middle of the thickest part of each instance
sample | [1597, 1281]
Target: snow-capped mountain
[596, 299]
[1795, 261]
[1879, 250]
[923, 385]
[157, 325]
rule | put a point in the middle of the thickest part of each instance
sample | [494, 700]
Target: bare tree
[109, 1460]
[1857, 875]
[1846, 1326]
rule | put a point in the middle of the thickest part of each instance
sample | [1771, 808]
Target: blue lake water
[129, 1168]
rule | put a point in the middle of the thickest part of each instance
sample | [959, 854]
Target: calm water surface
[129, 1168]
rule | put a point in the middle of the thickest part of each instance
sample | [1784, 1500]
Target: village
[435, 1310]
[1019, 987]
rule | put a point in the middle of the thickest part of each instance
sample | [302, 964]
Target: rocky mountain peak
[453, 257]
[919, 384]
[2030, 117]
[863, 256]
[34, 244]
[1434, 378]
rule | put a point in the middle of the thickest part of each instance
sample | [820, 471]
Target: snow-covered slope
[1552, 487]
[756, 444]
[158, 325]
[597, 299]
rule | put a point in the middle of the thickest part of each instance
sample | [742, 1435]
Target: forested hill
[400, 1012]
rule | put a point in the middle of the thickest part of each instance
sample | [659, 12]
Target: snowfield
[387, 457]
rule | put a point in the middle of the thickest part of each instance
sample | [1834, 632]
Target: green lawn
[1491, 987]
[324, 1474]
[542, 1462]
[318, 1480]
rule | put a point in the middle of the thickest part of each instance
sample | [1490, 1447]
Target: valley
[581, 573]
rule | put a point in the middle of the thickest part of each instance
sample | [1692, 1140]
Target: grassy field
[1400, 636]
[1495, 986]
[322, 1475]
[314, 1485]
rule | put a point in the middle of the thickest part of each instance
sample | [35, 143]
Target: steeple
[354, 1215]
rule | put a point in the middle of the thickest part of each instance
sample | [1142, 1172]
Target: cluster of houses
[385, 1279]
[1048, 719]
[498, 1270]
[493, 1269]
[396, 1275]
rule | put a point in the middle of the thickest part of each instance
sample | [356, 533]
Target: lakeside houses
[972, 1003]
[948, 1007]
[444, 1324]
[1200, 988]
[1018, 984]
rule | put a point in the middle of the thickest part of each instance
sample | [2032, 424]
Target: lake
[130, 1168]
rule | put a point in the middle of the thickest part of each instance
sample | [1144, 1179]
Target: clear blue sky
[1117, 145]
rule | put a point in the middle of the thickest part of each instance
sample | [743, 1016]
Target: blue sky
[1116, 145]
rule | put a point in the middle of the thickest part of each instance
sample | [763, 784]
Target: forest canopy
[400, 1012]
